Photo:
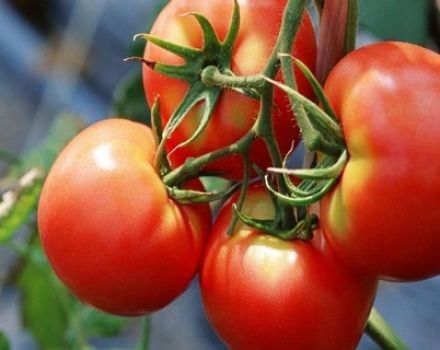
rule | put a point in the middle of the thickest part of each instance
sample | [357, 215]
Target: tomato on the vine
[108, 227]
[383, 217]
[235, 113]
[261, 292]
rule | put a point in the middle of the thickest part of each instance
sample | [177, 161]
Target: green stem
[243, 191]
[144, 340]
[382, 333]
[312, 137]
[211, 76]
[352, 23]
[328, 172]
[317, 125]
[264, 128]
[291, 21]
[192, 166]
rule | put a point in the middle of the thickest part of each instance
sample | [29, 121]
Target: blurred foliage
[97, 323]
[67, 323]
[64, 128]
[128, 98]
[42, 295]
[402, 20]
[20, 198]
[129, 101]
[4, 342]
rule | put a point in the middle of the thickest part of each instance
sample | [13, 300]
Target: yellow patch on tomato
[249, 55]
[353, 183]
[270, 257]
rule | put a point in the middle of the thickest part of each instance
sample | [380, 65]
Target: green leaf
[129, 100]
[43, 311]
[99, 324]
[19, 201]
[404, 20]
[4, 342]
[18, 211]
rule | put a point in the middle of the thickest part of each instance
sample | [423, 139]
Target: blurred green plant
[4, 342]
[55, 318]
[129, 101]
[21, 186]
[402, 20]
[128, 98]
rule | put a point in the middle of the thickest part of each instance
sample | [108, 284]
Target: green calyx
[213, 53]
[302, 230]
[185, 196]
[321, 132]
[316, 182]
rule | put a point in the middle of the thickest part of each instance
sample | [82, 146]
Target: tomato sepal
[313, 196]
[185, 196]
[327, 172]
[213, 52]
[303, 230]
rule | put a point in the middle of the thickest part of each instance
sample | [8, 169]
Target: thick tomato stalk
[383, 217]
[235, 113]
[108, 227]
[260, 292]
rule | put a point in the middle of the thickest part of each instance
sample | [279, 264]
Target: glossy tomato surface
[235, 113]
[260, 292]
[108, 227]
[384, 215]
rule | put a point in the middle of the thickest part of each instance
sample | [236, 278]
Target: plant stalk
[382, 333]
[352, 24]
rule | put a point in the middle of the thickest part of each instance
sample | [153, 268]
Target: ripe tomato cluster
[128, 240]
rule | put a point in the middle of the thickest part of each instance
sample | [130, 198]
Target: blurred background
[64, 58]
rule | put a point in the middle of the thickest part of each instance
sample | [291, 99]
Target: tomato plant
[222, 83]
[261, 292]
[108, 227]
[235, 112]
[383, 216]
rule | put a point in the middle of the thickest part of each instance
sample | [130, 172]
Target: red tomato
[383, 217]
[235, 113]
[260, 292]
[108, 227]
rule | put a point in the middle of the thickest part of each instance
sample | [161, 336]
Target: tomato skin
[383, 217]
[108, 227]
[235, 113]
[260, 292]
